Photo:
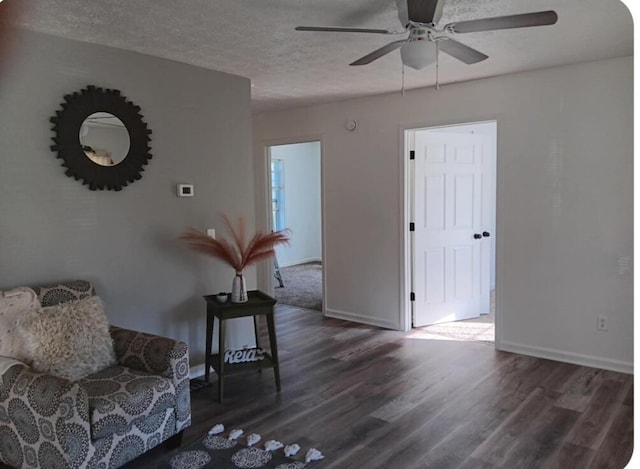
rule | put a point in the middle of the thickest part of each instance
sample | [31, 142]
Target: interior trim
[568, 357]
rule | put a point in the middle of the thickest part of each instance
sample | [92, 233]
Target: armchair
[105, 419]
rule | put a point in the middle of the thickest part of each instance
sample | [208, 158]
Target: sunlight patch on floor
[420, 334]
[457, 330]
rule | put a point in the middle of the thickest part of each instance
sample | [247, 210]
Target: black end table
[259, 304]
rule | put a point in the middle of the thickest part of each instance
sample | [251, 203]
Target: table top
[256, 299]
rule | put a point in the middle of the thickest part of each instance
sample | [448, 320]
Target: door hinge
[412, 226]
[412, 296]
[412, 155]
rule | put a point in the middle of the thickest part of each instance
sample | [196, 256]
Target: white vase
[239, 289]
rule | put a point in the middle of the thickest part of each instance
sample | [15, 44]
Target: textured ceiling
[256, 39]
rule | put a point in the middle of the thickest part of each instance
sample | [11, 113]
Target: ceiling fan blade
[342, 30]
[425, 11]
[376, 54]
[525, 20]
[462, 52]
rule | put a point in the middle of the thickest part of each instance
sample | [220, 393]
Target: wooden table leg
[221, 349]
[274, 349]
[256, 332]
[207, 357]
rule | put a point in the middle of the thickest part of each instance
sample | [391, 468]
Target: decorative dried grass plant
[239, 253]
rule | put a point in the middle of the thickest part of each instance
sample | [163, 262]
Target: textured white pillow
[70, 340]
[13, 305]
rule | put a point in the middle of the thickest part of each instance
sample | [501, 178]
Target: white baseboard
[354, 317]
[568, 357]
[302, 261]
[196, 371]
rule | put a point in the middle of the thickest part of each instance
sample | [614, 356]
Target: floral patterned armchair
[105, 419]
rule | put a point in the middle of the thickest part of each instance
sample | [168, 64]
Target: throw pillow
[70, 340]
[52, 295]
[14, 304]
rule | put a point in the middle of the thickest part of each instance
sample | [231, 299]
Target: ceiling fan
[420, 18]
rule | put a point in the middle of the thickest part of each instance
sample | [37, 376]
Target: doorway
[295, 194]
[452, 197]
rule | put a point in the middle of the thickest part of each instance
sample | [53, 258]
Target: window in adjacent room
[277, 194]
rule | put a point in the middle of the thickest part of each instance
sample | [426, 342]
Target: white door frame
[406, 254]
[265, 270]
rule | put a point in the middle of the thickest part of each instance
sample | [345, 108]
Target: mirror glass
[104, 139]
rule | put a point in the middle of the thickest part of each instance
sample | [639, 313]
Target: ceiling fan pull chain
[437, 65]
[403, 79]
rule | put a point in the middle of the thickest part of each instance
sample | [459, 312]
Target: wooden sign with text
[244, 355]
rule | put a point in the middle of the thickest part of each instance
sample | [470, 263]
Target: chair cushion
[120, 397]
[13, 305]
[70, 340]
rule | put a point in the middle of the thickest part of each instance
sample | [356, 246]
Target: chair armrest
[46, 415]
[158, 355]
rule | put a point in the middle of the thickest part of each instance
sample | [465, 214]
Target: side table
[259, 304]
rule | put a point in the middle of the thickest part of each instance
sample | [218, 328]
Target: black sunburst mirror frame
[67, 122]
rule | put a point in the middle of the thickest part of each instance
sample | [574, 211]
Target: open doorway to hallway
[453, 207]
[296, 204]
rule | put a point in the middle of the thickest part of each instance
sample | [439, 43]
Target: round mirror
[101, 138]
[104, 139]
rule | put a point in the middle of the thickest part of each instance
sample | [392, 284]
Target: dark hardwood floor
[372, 398]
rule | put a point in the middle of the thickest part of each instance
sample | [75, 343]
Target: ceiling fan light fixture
[418, 54]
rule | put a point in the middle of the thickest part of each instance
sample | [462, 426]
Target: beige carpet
[302, 286]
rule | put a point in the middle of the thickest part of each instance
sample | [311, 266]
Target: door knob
[477, 236]
[486, 234]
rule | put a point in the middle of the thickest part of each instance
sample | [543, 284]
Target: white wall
[302, 206]
[564, 202]
[52, 228]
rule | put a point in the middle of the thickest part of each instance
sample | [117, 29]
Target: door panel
[434, 209]
[463, 200]
[434, 285]
[463, 265]
[435, 152]
[451, 267]
[465, 153]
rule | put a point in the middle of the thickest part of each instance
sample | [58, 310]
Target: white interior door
[452, 184]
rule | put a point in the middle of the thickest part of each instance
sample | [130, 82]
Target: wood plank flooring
[372, 398]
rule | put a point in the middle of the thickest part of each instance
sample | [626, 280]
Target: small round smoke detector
[351, 125]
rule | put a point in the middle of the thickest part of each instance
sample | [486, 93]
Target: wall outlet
[211, 232]
[603, 323]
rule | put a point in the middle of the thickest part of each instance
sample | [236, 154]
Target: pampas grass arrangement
[239, 252]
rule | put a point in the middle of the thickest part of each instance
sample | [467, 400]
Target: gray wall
[53, 228]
